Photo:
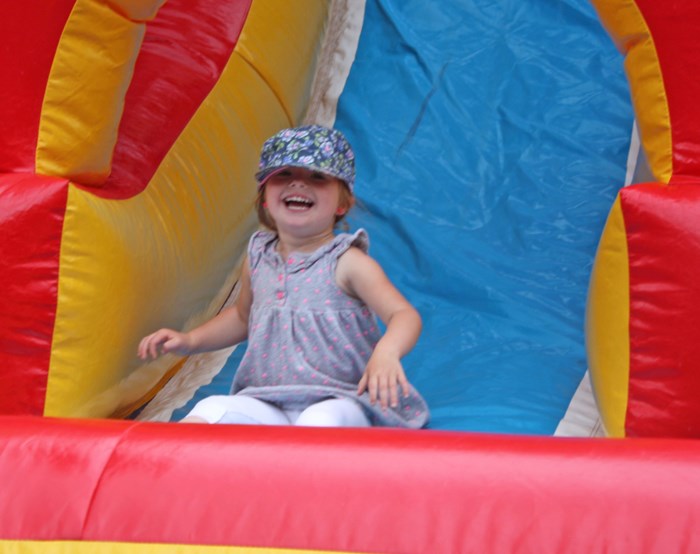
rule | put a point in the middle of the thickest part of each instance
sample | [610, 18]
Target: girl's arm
[227, 328]
[360, 276]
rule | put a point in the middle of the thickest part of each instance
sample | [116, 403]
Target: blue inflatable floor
[491, 140]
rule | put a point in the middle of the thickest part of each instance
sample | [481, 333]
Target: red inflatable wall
[364, 490]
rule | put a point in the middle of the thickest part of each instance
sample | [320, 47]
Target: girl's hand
[165, 341]
[382, 378]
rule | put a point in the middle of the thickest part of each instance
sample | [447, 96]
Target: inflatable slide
[494, 140]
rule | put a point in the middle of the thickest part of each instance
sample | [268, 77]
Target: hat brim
[263, 176]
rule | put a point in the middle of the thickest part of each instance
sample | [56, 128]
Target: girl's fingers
[153, 347]
[152, 343]
[149, 345]
[384, 388]
[384, 392]
[372, 390]
[394, 394]
[362, 385]
[144, 349]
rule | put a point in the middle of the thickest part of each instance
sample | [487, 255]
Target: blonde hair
[345, 201]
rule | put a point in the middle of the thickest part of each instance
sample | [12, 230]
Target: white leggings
[241, 409]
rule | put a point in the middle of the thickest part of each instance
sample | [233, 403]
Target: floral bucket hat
[312, 147]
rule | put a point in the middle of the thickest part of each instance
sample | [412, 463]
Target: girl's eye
[316, 176]
[279, 177]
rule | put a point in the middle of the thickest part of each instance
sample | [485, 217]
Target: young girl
[306, 305]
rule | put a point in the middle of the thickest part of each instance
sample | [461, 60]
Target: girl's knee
[337, 412]
[238, 409]
[315, 417]
[208, 410]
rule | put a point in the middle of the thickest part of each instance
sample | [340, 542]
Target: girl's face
[303, 202]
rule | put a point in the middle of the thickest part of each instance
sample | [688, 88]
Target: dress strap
[257, 245]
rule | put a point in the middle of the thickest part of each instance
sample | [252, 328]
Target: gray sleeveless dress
[307, 340]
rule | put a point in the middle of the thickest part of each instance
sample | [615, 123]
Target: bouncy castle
[526, 171]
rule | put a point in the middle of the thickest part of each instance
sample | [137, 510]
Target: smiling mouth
[298, 203]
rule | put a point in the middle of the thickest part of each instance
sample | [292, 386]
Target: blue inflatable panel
[491, 139]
